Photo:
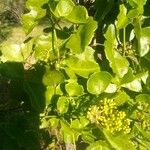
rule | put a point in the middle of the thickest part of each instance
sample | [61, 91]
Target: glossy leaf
[117, 142]
[144, 41]
[79, 14]
[128, 77]
[122, 17]
[121, 98]
[68, 10]
[111, 88]
[74, 89]
[62, 105]
[118, 63]
[98, 82]
[43, 48]
[64, 8]
[82, 67]
[135, 85]
[30, 20]
[82, 38]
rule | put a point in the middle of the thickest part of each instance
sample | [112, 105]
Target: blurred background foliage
[10, 16]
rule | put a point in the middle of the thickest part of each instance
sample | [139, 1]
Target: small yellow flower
[107, 116]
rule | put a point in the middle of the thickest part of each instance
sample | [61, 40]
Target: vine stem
[124, 41]
[53, 30]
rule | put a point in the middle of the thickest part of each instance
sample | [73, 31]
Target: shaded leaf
[52, 77]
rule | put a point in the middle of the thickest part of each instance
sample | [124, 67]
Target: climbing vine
[86, 78]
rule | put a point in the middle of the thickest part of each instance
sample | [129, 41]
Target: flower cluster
[107, 116]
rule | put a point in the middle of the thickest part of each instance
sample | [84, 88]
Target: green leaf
[143, 98]
[98, 82]
[110, 34]
[122, 19]
[111, 88]
[121, 98]
[144, 41]
[118, 63]
[64, 7]
[79, 14]
[135, 85]
[142, 35]
[54, 122]
[88, 54]
[74, 89]
[82, 38]
[138, 4]
[43, 48]
[30, 20]
[84, 121]
[52, 77]
[98, 145]
[128, 77]
[62, 104]
[68, 10]
[88, 137]
[81, 67]
[11, 52]
[69, 136]
[120, 142]
[75, 124]
[84, 68]
[50, 91]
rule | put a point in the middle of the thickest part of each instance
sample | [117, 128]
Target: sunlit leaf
[12, 52]
[98, 145]
[144, 41]
[111, 88]
[62, 105]
[79, 14]
[64, 7]
[82, 67]
[117, 142]
[98, 82]
[82, 38]
[74, 89]
[118, 63]
[122, 17]
[43, 48]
